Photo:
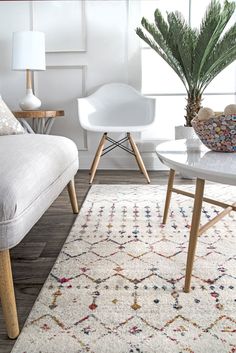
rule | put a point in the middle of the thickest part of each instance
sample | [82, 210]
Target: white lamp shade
[28, 50]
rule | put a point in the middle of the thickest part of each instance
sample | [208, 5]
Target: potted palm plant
[196, 55]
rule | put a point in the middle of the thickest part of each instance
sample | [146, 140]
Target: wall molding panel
[68, 83]
[37, 9]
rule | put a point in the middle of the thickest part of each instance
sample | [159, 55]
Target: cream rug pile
[117, 286]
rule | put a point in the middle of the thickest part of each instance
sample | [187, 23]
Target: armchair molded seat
[116, 107]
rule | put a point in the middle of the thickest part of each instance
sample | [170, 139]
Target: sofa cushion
[30, 164]
[9, 125]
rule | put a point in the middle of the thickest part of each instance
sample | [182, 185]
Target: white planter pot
[184, 132]
[192, 140]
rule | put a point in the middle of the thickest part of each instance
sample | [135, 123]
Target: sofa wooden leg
[7, 295]
[72, 195]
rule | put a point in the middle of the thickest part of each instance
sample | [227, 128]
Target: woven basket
[217, 133]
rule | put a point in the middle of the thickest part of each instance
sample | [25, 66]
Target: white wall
[112, 55]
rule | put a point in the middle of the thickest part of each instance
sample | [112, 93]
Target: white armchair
[116, 107]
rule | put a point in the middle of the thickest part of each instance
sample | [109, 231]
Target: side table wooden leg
[197, 208]
[42, 125]
[48, 125]
[168, 194]
[37, 126]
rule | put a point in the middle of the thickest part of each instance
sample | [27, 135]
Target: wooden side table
[42, 120]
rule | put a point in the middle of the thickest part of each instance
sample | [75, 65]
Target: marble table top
[193, 159]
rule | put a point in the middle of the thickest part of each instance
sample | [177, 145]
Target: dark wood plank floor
[34, 257]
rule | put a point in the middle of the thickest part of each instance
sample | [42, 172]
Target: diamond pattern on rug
[117, 285]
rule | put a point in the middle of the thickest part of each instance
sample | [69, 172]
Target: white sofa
[34, 169]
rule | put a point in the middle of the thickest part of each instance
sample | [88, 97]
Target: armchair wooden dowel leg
[139, 165]
[92, 165]
[138, 157]
[91, 168]
[197, 208]
[97, 157]
[72, 195]
[168, 194]
[7, 295]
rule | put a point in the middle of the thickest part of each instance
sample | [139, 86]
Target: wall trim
[84, 91]
[84, 28]
[133, 48]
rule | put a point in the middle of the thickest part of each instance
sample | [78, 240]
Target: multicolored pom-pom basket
[217, 133]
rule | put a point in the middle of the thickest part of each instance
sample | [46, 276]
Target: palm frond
[227, 42]
[158, 43]
[182, 41]
[212, 27]
[161, 24]
[220, 64]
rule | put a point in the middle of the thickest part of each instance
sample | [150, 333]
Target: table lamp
[28, 53]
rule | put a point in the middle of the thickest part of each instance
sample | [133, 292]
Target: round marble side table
[202, 164]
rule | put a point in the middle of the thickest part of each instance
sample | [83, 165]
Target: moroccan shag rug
[117, 285]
